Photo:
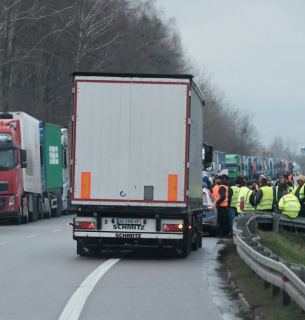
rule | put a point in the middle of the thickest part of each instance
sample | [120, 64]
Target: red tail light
[284, 278]
[84, 225]
[173, 227]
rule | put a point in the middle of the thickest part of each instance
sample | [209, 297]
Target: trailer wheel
[185, 246]
[200, 231]
[40, 209]
[200, 239]
[23, 209]
[59, 205]
[80, 250]
[48, 213]
[35, 213]
[17, 220]
[195, 243]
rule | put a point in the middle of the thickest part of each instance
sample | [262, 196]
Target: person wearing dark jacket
[220, 196]
[299, 192]
[278, 192]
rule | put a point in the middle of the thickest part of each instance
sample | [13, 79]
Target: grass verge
[288, 246]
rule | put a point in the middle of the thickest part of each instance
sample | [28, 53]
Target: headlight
[11, 201]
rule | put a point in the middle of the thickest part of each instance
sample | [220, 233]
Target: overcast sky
[254, 51]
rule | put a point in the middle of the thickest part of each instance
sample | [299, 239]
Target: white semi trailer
[136, 162]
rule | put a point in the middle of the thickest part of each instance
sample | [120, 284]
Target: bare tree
[149, 44]
[93, 22]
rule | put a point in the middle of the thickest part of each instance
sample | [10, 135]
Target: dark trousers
[232, 212]
[302, 211]
[223, 220]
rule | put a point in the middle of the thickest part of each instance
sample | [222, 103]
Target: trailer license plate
[128, 221]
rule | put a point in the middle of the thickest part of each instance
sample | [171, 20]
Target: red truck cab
[12, 161]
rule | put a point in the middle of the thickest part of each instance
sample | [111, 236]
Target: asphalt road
[41, 277]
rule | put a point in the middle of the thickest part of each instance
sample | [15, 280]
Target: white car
[209, 214]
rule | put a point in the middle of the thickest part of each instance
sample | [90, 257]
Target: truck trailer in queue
[31, 180]
[136, 162]
[20, 179]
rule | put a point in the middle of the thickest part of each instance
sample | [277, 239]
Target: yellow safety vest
[302, 191]
[290, 190]
[289, 205]
[277, 192]
[267, 199]
[245, 193]
[234, 196]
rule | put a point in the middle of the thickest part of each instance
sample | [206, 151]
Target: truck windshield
[232, 167]
[7, 159]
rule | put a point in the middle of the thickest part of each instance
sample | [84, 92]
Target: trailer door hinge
[189, 122]
[190, 93]
[188, 165]
[73, 90]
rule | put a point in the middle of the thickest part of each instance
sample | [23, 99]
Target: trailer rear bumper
[119, 243]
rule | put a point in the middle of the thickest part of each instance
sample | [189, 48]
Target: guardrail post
[286, 298]
[275, 290]
[276, 223]
[267, 284]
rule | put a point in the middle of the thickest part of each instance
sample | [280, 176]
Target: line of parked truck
[34, 168]
[136, 181]
[251, 166]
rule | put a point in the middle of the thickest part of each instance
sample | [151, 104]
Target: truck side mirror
[23, 158]
[208, 153]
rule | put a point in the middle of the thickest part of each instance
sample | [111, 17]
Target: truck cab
[233, 165]
[12, 162]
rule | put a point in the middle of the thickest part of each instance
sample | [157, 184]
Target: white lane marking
[75, 305]
[58, 230]
[31, 236]
[3, 243]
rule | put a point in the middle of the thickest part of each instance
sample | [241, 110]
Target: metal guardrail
[273, 270]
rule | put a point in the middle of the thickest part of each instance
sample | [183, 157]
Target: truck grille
[2, 203]
[3, 186]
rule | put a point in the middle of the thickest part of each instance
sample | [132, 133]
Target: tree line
[43, 41]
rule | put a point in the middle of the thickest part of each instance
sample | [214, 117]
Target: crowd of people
[231, 195]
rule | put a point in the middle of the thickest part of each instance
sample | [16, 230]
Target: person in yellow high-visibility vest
[233, 190]
[246, 197]
[289, 205]
[264, 197]
[299, 192]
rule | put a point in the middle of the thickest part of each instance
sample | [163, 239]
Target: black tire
[214, 232]
[59, 205]
[80, 250]
[200, 240]
[40, 209]
[48, 214]
[25, 219]
[94, 251]
[35, 209]
[185, 246]
[195, 243]
[18, 220]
